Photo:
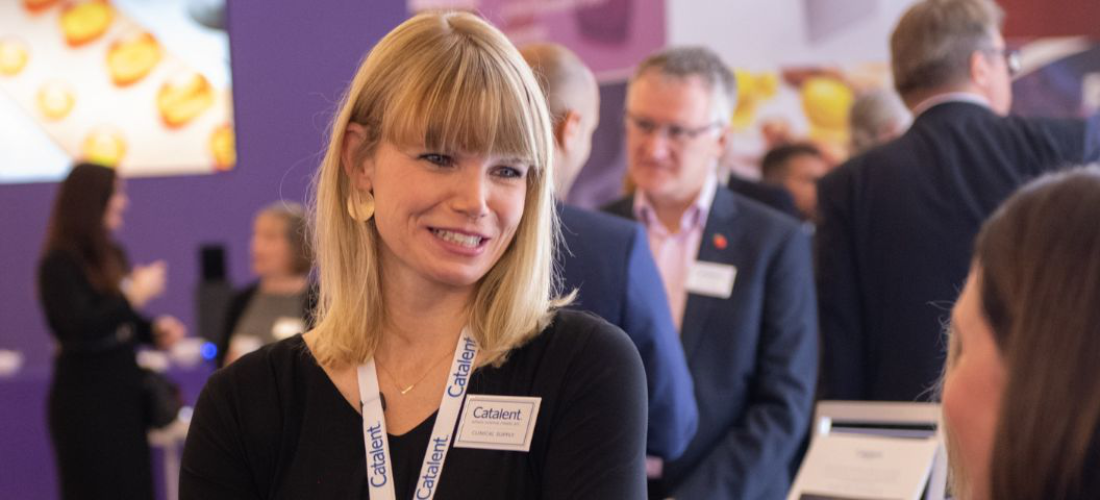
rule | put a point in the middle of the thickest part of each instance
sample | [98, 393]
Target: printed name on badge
[711, 279]
[497, 422]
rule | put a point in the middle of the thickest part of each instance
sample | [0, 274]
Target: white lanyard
[379, 467]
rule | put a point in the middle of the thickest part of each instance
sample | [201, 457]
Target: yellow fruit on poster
[183, 98]
[55, 100]
[826, 102]
[133, 57]
[13, 57]
[86, 21]
[105, 146]
[223, 147]
[752, 89]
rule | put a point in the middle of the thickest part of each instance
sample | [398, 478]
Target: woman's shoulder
[59, 267]
[270, 369]
[586, 339]
[584, 325]
[58, 257]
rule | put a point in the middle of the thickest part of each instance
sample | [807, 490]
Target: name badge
[497, 422]
[711, 279]
[286, 327]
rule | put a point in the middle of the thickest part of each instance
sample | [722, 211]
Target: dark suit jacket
[772, 196]
[607, 260]
[894, 243]
[753, 356]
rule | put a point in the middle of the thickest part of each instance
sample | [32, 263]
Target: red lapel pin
[720, 242]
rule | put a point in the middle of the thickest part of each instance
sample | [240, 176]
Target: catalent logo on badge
[465, 362]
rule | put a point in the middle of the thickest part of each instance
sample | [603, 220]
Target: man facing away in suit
[607, 259]
[738, 278]
[897, 222]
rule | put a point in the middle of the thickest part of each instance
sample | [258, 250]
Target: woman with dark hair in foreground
[1022, 391]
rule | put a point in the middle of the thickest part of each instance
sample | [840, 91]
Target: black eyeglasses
[1011, 57]
[674, 132]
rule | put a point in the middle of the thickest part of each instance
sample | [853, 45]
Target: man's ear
[979, 69]
[724, 141]
[568, 130]
[358, 171]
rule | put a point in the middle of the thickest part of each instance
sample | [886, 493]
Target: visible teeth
[457, 238]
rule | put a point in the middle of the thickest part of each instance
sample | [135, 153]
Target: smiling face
[444, 219]
[973, 387]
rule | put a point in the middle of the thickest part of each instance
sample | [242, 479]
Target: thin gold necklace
[397, 385]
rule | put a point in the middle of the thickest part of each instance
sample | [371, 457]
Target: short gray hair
[871, 114]
[932, 43]
[686, 62]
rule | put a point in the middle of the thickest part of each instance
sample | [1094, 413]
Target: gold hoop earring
[361, 206]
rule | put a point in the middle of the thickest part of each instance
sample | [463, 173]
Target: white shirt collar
[938, 99]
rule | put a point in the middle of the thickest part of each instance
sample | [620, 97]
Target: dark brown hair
[1039, 257]
[76, 225]
[774, 165]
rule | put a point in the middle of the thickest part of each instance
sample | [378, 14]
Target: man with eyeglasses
[738, 278]
[893, 245]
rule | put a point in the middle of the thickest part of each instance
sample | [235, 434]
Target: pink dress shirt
[675, 252]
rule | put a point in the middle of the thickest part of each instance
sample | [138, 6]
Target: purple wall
[290, 64]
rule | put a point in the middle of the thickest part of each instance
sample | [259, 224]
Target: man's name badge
[497, 422]
[711, 279]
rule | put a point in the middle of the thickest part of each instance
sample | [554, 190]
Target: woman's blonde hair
[449, 82]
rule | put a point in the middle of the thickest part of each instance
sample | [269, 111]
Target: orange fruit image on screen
[55, 100]
[183, 98]
[38, 5]
[133, 57]
[13, 57]
[85, 21]
[223, 146]
[104, 145]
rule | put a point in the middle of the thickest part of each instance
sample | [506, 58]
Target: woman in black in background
[90, 299]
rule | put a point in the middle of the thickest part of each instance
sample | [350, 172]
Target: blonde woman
[440, 364]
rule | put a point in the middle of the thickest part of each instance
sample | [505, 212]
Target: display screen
[140, 85]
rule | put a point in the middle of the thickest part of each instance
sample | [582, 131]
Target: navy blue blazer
[753, 356]
[896, 234]
[607, 260]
